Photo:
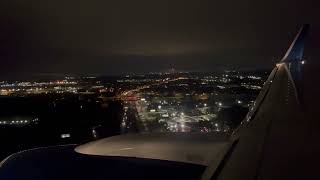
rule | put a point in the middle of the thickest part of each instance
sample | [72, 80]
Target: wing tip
[295, 51]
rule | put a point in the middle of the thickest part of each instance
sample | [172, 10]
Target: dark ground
[57, 114]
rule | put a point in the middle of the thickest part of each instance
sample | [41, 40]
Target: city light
[173, 103]
[16, 122]
[63, 136]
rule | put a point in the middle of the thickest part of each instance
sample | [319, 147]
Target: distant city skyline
[57, 76]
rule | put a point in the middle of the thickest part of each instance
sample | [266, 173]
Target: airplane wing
[279, 137]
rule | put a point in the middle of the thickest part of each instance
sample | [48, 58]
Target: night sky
[49, 37]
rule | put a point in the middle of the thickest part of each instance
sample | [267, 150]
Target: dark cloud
[113, 37]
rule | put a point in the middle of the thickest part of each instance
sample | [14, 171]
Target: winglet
[295, 51]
